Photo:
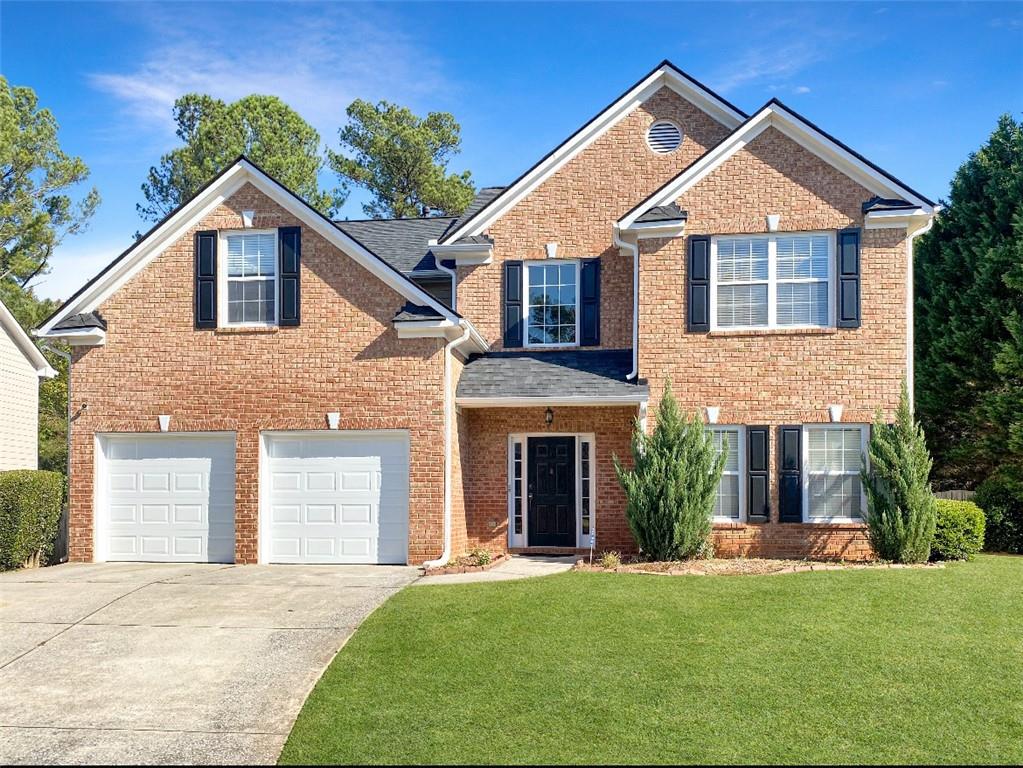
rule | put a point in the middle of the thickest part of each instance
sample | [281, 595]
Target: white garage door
[166, 498]
[337, 498]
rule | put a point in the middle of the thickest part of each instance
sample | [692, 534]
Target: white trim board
[665, 75]
[25, 344]
[775, 115]
[219, 190]
[565, 401]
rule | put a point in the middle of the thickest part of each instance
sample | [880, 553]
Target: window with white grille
[727, 506]
[664, 137]
[249, 268]
[834, 457]
[772, 281]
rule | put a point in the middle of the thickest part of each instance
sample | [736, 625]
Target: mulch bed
[465, 564]
[740, 567]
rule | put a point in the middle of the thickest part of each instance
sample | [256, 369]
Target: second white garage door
[336, 497]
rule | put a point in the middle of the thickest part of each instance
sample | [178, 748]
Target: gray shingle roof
[886, 204]
[669, 212]
[403, 243]
[475, 240]
[86, 320]
[414, 312]
[575, 373]
[484, 196]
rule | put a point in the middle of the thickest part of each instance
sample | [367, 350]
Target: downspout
[67, 508]
[634, 248]
[910, 363]
[449, 418]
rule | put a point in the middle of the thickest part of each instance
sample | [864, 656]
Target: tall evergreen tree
[966, 297]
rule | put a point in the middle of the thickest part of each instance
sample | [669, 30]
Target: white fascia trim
[526, 402]
[232, 180]
[25, 344]
[417, 329]
[664, 76]
[78, 337]
[465, 254]
[648, 229]
[774, 116]
[897, 219]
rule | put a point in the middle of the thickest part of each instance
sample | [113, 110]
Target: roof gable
[803, 132]
[243, 171]
[663, 75]
[25, 345]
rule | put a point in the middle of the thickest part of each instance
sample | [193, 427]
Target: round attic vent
[664, 137]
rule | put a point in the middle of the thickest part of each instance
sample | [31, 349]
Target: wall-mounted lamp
[835, 411]
[333, 420]
[164, 422]
[713, 411]
[247, 217]
[549, 417]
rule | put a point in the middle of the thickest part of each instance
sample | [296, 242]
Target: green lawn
[881, 666]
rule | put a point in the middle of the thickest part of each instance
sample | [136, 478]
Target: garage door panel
[333, 498]
[169, 498]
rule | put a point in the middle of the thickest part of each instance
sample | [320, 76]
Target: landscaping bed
[738, 566]
[470, 563]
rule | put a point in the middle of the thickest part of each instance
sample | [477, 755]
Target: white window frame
[222, 279]
[525, 301]
[583, 541]
[772, 281]
[741, 472]
[805, 471]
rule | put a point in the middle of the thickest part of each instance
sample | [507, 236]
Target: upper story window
[772, 281]
[551, 303]
[250, 281]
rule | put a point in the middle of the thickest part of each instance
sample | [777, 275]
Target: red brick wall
[486, 467]
[577, 206]
[344, 357]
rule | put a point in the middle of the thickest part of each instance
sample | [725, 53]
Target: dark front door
[551, 490]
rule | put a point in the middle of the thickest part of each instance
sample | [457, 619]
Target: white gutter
[449, 417]
[910, 332]
[634, 247]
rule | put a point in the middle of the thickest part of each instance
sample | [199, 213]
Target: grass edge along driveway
[871, 666]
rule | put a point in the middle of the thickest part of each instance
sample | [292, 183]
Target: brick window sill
[257, 330]
[721, 334]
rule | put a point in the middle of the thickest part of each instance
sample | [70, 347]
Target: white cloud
[801, 89]
[767, 63]
[324, 60]
[75, 262]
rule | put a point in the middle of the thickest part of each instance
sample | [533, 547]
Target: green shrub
[30, 505]
[1001, 498]
[900, 505]
[481, 556]
[671, 490]
[959, 533]
[610, 560]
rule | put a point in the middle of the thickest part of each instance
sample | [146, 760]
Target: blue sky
[914, 87]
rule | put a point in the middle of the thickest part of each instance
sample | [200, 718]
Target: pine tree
[901, 513]
[671, 489]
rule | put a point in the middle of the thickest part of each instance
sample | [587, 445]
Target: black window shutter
[290, 265]
[698, 285]
[513, 304]
[758, 500]
[206, 279]
[848, 278]
[790, 475]
[589, 303]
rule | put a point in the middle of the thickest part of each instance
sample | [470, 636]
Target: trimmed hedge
[959, 533]
[30, 506]
[1001, 498]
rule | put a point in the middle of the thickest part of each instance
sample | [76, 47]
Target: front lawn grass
[871, 666]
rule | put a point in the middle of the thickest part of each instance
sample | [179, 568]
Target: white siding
[19, 408]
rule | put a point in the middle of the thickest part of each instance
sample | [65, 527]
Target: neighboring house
[21, 366]
[264, 385]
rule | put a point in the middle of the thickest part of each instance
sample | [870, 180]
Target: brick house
[255, 383]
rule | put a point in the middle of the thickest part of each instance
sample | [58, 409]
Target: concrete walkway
[145, 663]
[516, 567]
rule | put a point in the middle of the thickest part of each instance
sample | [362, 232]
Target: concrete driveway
[147, 663]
